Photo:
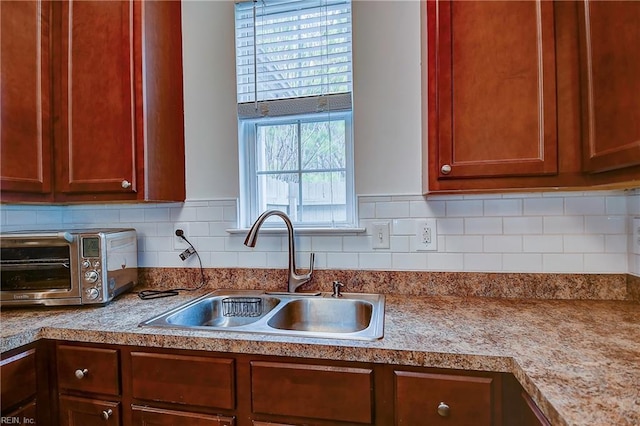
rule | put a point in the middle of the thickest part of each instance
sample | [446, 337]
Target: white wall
[387, 128]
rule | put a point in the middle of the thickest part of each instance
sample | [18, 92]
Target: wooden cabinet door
[491, 91]
[18, 374]
[87, 369]
[75, 411]
[442, 399]
[95, 133]
[610, 67]
[26, 98]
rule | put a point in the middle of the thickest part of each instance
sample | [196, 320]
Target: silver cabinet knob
[106, 414]
[443, 410]
[446, 169]
[126, 184]
[81, 374]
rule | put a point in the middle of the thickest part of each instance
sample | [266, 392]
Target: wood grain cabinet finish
[492, 89]
[116, 118]
[88, 369]
[443, 399]
[311, 391]
[530, 95]
[25, 89]
[150, 416]
[77, 411]
[184, 379]
[18, 373]
[610, 68]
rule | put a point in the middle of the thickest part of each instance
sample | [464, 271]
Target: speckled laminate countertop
[579, 360]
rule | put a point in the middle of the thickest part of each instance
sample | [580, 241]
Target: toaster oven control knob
[92, 293]
[86, 264]
[91, 276]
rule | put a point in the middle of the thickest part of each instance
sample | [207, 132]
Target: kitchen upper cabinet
[494, 86]
[25, 87]
[610, 66]
[117, 125]
[507, 102]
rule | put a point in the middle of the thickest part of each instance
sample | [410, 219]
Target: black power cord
[156, 294]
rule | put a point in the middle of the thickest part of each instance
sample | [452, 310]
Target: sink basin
[223, 311]
[358, 316]
[323, 315]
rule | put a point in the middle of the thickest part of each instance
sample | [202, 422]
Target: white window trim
[249, 209]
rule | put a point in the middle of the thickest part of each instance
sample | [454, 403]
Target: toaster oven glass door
[35, 269]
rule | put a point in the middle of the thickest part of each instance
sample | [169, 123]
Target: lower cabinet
[92, 384]
[445, 399]
[78, 411]
[18, 395]
[149, 416]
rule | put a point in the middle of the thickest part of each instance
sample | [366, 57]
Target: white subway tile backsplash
[529, 232]
[482, 262]
[591, 243]
[543, 243]
[522, 225]
[521, 262]
[605, 224]
[604, 262]
[502, 243]
[563, 224]
[544, 206]
[464, 208]
[392, 210]
[503, 207]
[568, 263]
[377, 261]
[587, 205]
[483, 225]
[409, 261]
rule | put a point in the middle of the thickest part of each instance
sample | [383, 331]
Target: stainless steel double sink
[358, 316]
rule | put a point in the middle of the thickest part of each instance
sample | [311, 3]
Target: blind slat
[303, 48]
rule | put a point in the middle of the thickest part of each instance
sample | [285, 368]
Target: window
[293, 64]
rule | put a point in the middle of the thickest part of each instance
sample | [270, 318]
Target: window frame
[249, 204]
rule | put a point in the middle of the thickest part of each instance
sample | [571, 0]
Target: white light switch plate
[380, 235]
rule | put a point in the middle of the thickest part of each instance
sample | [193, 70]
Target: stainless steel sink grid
[358, 316]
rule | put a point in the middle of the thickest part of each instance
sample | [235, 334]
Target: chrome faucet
[295, 280]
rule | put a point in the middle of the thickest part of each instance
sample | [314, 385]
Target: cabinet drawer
[442, 399]
[147, 416]
[18, 378]
[76, 411]
[88, 369]
[192, 380]
[312, 391]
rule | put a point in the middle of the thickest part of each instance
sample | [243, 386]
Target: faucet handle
[336, 289]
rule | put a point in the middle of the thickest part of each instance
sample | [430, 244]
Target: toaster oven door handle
[62, 235]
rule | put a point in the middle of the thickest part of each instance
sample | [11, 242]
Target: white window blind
[293, 56]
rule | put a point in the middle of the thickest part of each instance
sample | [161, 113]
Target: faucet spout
[295, 280]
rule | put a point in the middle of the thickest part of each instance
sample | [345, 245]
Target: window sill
[302, 231]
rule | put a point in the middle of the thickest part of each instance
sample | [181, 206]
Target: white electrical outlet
[380, 235]
[635, 242]
[179, 243]
[426, 235]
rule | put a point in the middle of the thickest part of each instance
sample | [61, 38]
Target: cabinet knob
[106, 414]
[81, 374]
[446, 169]
[443, 410]
[126, 184]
